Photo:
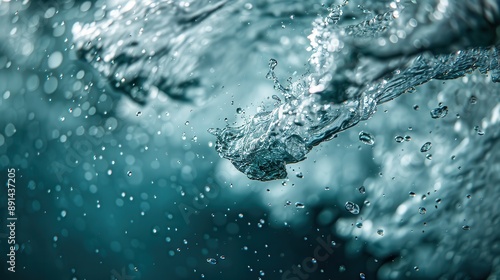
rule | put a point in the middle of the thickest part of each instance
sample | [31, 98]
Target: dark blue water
[251, 140]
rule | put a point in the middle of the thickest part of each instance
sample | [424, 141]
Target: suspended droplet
[412, 194]
[428, 156]
[380, 232]
[359, 224]
[138, 113]
[439, 112]
[300, 175]
[366, 138]
[272, 63]
[352, 207]
[407, 138]
[239, 110]
[478, 130]
[362, 275]
[415, 107]
[416, 268]
[362, 189]
[466, 227]
[422, 210]
[211, 261]
[129, 173]
[299, 205]
[473, 100]
[426, 147]
[399, 139]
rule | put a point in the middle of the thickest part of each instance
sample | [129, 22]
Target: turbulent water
[361, 56]
[348, 82]
[105, 110]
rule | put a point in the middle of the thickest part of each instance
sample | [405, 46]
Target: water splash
[350, 79]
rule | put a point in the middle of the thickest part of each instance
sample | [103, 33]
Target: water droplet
[399, 139]
[466, 227]
[186, 123]
[352, 207]
[422, 210]
[362, 275]
[300, 175]
[222, 257]
[272, 63]
[473, 100]
[342, 268]
[439, 112]
[366, 138]
[313, 260]
[138, 113]
[129, 173]
[362, 189]
[415, 107]
[478, 130]
[239, 110]
[327, 188]
[261, 273]
[70, 110]
[380, 232]
[359, 224]
[426, 147]
[469, 196]
[299, 205]
[211, 261]
[428, 156]
[407, 138]
[412, 194]
[416, 268]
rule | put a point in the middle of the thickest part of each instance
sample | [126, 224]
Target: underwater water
[250, 139]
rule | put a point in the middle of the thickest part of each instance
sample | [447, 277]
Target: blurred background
[119, 179]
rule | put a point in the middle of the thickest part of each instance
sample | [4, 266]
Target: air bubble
[426, 147]
[352, 207]
[299, 205]
[439, 112]
[366, 138]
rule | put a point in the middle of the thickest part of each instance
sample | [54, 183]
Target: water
[347, 84]
[106, 105]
